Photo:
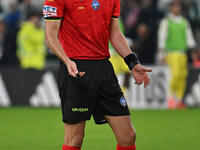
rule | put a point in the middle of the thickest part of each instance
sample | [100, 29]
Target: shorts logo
[80, 109]
[49, 11]
[95, 5]
[123, 102]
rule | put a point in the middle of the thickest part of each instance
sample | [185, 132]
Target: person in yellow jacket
[31, 44]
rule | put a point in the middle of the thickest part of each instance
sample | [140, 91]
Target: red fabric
[133, 147]
[84, 30]
[65, 147]
[196, 63]
[116, 10]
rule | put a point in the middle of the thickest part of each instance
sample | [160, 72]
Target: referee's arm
[119, 43]
[118, 40]
[52, 41]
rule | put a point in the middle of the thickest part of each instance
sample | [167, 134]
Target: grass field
[41, 129]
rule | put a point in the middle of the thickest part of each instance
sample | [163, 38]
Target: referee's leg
[74, 134]
[123, 130]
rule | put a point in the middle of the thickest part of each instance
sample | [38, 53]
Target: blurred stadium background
[30, 116]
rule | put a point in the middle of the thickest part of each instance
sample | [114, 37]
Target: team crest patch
[123, 102]
[49, 11]
[95, 5]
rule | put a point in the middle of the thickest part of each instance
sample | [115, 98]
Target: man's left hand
[139, 73]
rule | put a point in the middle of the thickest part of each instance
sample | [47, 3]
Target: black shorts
[97, 93]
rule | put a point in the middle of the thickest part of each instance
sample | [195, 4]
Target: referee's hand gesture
[73, 71]
[139, 73]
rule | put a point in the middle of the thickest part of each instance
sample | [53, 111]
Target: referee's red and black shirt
[84, 31]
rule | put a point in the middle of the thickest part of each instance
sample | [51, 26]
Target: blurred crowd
[22, 34]
[143, 18]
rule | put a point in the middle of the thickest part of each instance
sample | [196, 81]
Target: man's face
[27, 2]
[176, 9]
[2, 27]
[142, 31]
[36, 20]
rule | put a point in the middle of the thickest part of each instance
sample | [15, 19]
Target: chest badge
[95, 5]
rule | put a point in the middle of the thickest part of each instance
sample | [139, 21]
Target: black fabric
[115, 17]
[131, 60]
[97, 93]
[53, 18]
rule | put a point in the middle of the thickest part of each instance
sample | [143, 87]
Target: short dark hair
[175, 3]
[33, 14]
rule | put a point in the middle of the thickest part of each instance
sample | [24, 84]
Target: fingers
[146, 82]
[73, 71]
[146, 70]
[80, 75]
[138, 82]
[145, 79]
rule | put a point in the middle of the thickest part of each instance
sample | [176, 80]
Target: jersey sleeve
[53, 9]
[116, 9]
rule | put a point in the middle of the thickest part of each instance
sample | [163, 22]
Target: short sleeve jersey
[84, 30]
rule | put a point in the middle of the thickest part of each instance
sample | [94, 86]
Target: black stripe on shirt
[115, 17]
[53, 18]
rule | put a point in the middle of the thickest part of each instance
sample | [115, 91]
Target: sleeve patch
[49, 11]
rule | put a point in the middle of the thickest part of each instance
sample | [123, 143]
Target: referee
[78, 32]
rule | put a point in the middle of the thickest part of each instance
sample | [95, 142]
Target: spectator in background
[131, 20]
[25, 8]
[150, 16]
[144, 11]
[196, 58]
[144, 45]
[12, 25]
[1, 10]
[6, 5]
[13, 17]
[174, 38]
[162, 5]
[2, 37]
[31, 48]
[193, 13]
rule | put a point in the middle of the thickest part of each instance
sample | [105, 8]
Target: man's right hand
[51, 31]
[72, 69]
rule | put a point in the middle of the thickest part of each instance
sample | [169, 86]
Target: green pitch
[41, 129]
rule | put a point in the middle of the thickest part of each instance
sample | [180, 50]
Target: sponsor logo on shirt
[95, 5]
[81, 7]
[51, 0]
[123, 102]
[49, 11]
